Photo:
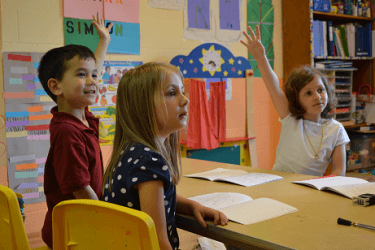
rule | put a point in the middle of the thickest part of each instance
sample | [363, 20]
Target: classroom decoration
[211, 60]
[261, 12]
[167, 4]
[83, 9]
[200, 135]
[228, 17]
[105, 105]
[124, 14]
[198, 21]
[125, 37]
[27, 118]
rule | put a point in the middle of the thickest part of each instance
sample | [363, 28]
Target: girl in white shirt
[308, 141]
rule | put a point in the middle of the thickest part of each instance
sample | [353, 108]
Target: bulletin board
[27, 115]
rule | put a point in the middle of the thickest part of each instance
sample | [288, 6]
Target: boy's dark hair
[107, 67]
[298, 79]
[54, 63]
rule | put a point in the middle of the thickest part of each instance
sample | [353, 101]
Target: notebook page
[332, 181]
[257, 210]
[252, 179]
[220, 200]
[354, 189]
[218, 173]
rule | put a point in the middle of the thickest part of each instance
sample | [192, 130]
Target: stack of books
[333, 64]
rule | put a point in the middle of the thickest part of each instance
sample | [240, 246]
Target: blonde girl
[144, 168]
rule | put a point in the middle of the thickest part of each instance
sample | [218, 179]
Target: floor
[188, 241]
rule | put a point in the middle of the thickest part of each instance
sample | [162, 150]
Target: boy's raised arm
[104, 39]
[255, 47]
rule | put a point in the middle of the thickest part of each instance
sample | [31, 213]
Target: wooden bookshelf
[298, 48]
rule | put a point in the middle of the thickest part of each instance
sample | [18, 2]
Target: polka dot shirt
[140, 164]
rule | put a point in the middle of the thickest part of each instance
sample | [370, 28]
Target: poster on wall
[261, 12]
[229, 16]
[105, 105]
[124, 14]
[125, 37]
[27, 118]
[198, 20]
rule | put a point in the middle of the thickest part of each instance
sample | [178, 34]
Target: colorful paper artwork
[211, 60]
[125, 37]
[229, 11]
[27, 118]
[198, 12]
[105, 106]
[261, 12]
[124, 14]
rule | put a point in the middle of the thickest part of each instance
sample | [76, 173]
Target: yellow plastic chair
[12, 231]
[91, 224]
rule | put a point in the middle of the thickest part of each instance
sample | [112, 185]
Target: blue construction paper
[125, 38]
[198, 14]
[229, 14]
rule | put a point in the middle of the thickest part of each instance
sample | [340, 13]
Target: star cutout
[239, 62]
[195, 70]
[184, 72]
[191, 61]
[225, 73]
[181, 60]
[231, 61]
[233, 69]
[239, 72]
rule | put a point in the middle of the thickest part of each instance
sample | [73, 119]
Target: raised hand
[254, 44]
[103, 32]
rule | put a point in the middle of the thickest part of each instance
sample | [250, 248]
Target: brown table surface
[314, 226]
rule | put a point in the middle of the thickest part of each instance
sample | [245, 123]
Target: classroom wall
[37, 26]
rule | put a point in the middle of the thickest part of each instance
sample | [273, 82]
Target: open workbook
[243, 209]
[236, 176]
[346, 186]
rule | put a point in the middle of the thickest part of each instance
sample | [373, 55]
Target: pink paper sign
[126, 11]
[83, 9]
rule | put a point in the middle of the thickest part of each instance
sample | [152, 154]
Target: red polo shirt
[74, 161]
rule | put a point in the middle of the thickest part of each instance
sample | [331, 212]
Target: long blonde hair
[136, 119]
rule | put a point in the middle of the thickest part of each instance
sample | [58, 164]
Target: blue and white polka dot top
[140, 164]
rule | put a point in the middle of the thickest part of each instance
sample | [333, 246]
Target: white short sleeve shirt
[294, 152]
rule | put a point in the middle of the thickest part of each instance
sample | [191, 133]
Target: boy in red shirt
[74, 165]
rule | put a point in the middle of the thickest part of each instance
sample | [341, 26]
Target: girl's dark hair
[298, 79]
[55, 63]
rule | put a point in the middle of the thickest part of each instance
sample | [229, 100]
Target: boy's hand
[254, 43]
[103, 32]
[200, 212]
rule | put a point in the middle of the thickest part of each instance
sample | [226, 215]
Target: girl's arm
[339, 160]
[189, 207]
[151, 197]
[255, 47]
[104, 39]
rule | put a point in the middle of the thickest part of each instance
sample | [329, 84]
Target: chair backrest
[92, 224]
[12, 231]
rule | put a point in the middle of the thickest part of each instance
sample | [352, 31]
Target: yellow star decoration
[204, 69]
[178, 67]
[191, 61]
[239, 72]
[231, 61]
[225, 73]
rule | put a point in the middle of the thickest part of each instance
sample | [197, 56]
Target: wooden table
[314, 226]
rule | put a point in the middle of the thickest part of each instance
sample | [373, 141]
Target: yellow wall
[37, 26]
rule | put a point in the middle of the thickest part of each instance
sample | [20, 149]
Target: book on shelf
[316, 38]
[330, 39]
[236, 176]
[346, 186]
[363, 39]
[333, 64]
[342, 38]
[242, 208]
